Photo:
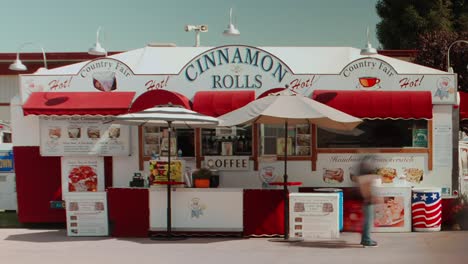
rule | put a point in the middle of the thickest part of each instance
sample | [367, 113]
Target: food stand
[415, 102]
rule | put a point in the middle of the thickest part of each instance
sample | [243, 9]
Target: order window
[273, 142]
[155, 141]
[378, 134]
[227, 141]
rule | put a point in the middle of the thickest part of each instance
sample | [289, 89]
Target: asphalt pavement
[51, 246]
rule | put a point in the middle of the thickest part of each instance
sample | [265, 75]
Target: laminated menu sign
[82, 174]
[392, 209]
[86, 214]
[420, 138]
[314, 216]
[158, 171]
[78, 136]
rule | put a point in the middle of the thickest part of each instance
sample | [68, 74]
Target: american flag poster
[426, 210]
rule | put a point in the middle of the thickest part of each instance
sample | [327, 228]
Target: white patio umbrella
[167, 116]
[287, 107]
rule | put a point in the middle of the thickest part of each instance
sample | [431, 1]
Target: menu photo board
[399, 169]
[159, 169]
[75, 136]
[314, 216]
[392, 209]
[86, 214]
[82, 174]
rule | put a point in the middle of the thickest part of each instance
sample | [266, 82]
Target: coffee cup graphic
[368, 82]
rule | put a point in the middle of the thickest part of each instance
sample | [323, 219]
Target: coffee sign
[368, 72]
[228, 163]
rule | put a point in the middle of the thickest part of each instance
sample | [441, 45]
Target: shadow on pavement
[50, 236]
[60, 235]
[181, 240]
[326, 244]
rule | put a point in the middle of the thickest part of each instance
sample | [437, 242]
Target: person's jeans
[367, 210]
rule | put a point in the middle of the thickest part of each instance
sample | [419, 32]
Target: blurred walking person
[365, 180]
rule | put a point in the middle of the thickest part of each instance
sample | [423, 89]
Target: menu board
[314, 216]
[420, 137]
[159, 169]
[82, 174]
[399, 169]
[86, 214]
[392, 209]
[74, 136]
[303, 140]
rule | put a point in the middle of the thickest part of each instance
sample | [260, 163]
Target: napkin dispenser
[137, 180]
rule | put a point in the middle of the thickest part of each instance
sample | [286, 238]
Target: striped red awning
[159, 97]
[78, 103]
[379, 104]
[218, 103]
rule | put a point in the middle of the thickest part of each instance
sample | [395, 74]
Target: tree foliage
[404, 20]
[433, 49]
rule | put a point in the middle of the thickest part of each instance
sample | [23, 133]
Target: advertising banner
[6, 161]
[394, 169]
[392, 209]
[159, 168]
[314, 216]
[82, 174]
[87, 214]
[77, 136]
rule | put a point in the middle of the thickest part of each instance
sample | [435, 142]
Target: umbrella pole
[169, 214]
[285, 183]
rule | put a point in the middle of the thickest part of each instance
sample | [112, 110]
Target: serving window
[379, 133]
[272, 141]
[235, 141]
[154, 141]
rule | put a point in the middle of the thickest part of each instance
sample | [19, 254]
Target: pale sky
[70, 26]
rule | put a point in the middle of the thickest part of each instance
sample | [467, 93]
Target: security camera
[188, 28]
[203, 28]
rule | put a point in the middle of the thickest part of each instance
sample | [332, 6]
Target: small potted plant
[201, 178]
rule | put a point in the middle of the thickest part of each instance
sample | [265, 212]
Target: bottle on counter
[179, 153]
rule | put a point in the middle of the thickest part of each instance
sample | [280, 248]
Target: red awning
[379, 104]
[463, 105]
[159, 97]
[221, 102]
[78, 103]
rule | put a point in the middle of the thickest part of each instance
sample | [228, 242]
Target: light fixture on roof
[231, 30]
[18, 65]
[197, 29]
[97, 49]
[450, 69]
[368, 50]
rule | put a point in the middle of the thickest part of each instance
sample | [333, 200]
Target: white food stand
[197, 209]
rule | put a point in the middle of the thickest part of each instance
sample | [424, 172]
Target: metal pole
[285, 183]
[169, 215]
[197, 38]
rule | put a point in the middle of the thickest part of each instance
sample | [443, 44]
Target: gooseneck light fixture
[97, 49]
[197, 29]
[18, 65]
[450, 69]
[368, 50]
[231, 30]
